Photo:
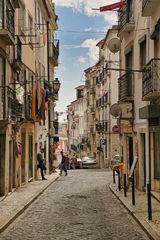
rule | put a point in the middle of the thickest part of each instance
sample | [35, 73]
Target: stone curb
[152, 234]
[25, 205]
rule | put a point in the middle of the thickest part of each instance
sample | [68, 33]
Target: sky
[79, 30]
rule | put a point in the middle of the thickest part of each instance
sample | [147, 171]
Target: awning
[112, 6]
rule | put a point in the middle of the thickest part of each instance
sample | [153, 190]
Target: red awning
[112, 6]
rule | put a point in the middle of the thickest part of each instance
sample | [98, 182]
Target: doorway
[30, 149]
[23, 155]
[10, 165]
[130, 151]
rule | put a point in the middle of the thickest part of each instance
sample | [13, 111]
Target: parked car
[88, 162]
[75, 163]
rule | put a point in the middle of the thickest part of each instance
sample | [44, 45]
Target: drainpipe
[49, 120]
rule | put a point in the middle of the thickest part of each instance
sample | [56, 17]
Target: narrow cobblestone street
[79, 206]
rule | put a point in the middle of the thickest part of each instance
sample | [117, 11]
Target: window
[30, 26]
[22, 15]
[38, 16]
[43, 72]
[2, 66]
[129, 59]
[129, 9]
[142, 53]
[156, 155]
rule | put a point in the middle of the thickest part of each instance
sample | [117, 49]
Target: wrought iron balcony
[151, 80]
[102, 126]
[10, 107]
[148, 7]
[54, 52]
[125, 17]
[125, 83]
[7, 25]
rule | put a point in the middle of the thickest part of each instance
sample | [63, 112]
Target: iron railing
[10, 17]
[28, 105]
[125, 15]
[151, 78]
[144, 3]
[10, 106]
[125, 83]
[102, 126]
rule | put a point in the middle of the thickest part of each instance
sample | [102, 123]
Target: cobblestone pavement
[77, 206]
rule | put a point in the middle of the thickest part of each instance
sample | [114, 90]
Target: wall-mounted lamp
[56, 85]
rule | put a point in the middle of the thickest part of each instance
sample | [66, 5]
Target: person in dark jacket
[63, 164]
[41, 164]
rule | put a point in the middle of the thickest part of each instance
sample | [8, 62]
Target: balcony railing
[7, 25]
[125, 83]
[102, 126]
[125, 17]
[148, 7]
[54, 52]
[10, 107]
[151, 80]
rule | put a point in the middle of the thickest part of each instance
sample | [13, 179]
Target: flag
[112, 6]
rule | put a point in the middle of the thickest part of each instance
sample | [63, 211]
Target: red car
[75, 163]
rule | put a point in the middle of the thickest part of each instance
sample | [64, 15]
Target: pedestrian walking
[41, 164]
[67, 162]
[63, 164]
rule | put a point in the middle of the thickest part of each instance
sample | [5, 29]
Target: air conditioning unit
[126, 110]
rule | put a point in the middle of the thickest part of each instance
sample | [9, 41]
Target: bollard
[114, 179]
[119, 180]
[149, 201]
[133, 190]
[125, 185]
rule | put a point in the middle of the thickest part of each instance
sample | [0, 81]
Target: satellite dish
[114, 45]
[115, 110]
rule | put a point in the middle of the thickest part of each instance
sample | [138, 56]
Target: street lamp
[56, 85]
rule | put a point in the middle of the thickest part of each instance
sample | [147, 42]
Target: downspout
[49, 117]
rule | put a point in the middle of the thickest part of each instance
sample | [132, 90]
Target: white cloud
[81, 59]
[70, 46]
[86, 6]
[88, 29]
[92, 49]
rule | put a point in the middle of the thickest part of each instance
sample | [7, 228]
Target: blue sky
[80, 29]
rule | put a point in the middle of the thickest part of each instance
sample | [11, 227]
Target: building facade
[25, 93]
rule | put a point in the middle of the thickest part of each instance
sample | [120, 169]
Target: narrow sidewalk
[16, 202]
[140, 210]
